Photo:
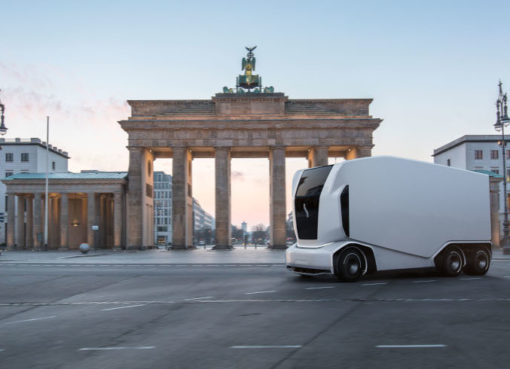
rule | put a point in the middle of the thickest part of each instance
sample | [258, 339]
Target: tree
[259, 234]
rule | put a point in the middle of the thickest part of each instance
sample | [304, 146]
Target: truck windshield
[306, 203]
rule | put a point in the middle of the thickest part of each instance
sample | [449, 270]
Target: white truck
[384, 213]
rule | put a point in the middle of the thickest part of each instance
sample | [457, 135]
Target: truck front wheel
[350, 264]
[478, 262]
[451, 262]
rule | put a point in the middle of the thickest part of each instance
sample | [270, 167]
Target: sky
[431, 67]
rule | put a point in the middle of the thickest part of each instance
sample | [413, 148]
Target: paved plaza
[242, 309]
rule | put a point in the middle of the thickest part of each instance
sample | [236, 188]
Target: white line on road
[2, 350]
[199, 298]
[267, 347]
[426, 281]
[411, 346]
[117, 348]
[470, 279]
[319, 288]
[31, 320]
[374, 284]
[257, 292]
[123, 307]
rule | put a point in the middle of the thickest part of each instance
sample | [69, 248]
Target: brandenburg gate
[248, 121]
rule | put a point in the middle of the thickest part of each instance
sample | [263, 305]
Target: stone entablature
[253, 121]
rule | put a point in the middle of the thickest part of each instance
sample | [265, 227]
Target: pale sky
[431, 67]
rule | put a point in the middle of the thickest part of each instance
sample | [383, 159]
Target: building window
[495, 170]
[448, 162]
[24, 156]
[478, 154]
[53, 165]
[8, 173]
[494, 154]
[508, 154]
[9, 156]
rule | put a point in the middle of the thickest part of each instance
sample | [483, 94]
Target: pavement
[238, 255]
[188, 312]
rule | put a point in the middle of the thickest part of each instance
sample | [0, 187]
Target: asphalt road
[234, 316]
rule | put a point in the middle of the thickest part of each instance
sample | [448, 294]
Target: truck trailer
[385, 213]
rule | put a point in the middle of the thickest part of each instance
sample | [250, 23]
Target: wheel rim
[482, 261]
[455, 261]
[353, 264]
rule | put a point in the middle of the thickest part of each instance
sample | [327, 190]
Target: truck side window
[344, 205]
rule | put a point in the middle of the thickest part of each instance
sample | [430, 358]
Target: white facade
[20, 155]
[476, 152]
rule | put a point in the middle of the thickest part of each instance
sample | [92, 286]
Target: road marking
[257, 292]
[31, 320]
[318, 288]
[374, 284]
[470, 279]
[123, 307]
[2, 350]
[199, 298]
[426, 281]
[412, 346]
[267, 347]
[117, 348]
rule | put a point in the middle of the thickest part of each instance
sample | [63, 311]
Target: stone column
[64, 221]
[117, 220]
[223, 197]
[30, 222]
[277, 208]
[91, 217]
[38, 226]
[358, 152]
[182, 236]
[318, 156]
[135, 201]
[10, 221]
[20, 223]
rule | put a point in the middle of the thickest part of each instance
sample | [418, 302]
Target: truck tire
[478, 262]
[451, 262]
[350, 264]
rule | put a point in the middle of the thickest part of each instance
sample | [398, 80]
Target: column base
[277, 247]
[222, 247]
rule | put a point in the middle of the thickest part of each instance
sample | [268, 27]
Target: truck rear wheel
[478, 262]
[350, 264]
[451, 262]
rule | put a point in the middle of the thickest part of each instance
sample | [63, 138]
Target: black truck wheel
[478, 262]
[350, 264]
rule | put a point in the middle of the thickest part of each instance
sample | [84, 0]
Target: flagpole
[46, 204]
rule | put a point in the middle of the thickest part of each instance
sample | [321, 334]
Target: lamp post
[501, 122]
[3, 128]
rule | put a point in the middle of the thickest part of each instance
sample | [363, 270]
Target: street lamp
[3, 128]
[501, 123]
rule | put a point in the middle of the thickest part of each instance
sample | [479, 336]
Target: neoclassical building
[87, 207]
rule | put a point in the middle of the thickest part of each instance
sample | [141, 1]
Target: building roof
[69, 175]
[489, 173]
[33, 142]
[465, 139]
